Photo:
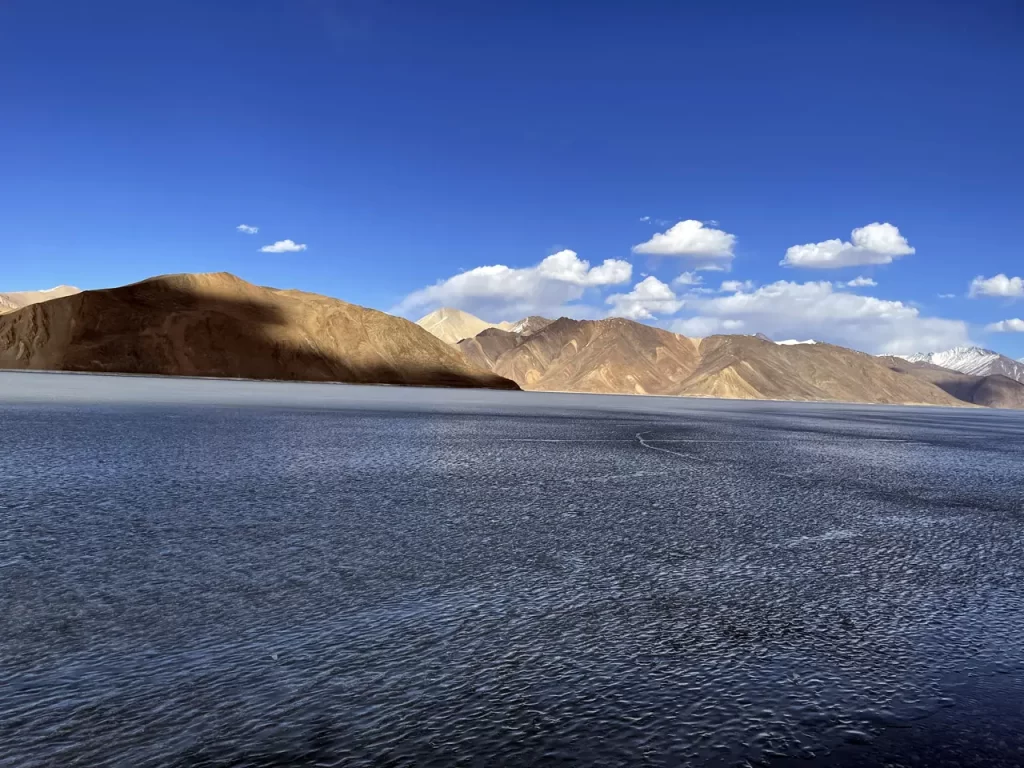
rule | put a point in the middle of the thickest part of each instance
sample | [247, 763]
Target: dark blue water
[204, 573]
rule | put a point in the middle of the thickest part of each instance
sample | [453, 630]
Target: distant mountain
[527, 325]
[18, 299]
[613, 355]
[972, 360]
[453, 325]
[622, 356]
[994, 390]
[220, 325]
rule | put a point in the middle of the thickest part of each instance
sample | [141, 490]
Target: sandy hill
[18, 299]
[453, 325]
[219, 325]
[993, 390]
[617, 355]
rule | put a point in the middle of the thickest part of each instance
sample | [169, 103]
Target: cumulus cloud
[688, 278]
[798, 310]
[708, 246]
[648, 298]
[874, 244]
[284, 246]
[1000, 285]
[734, 286]
[861, 282]
[1015, 325]
[246, 229]
[501, 291]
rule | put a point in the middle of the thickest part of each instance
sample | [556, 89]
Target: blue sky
[406, 144]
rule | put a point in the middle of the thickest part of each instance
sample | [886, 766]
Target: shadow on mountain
[221, 326]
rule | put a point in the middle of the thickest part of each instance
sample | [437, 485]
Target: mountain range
[454, 325]
[221, 326]
[973, 360]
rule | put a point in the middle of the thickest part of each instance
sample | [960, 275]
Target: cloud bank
[874, 244]
[1000, 286]
[710, 248]
[787, 309]
[501, 291]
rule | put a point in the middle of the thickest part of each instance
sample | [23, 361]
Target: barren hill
[18, 299]
[219, 325]
[993, 390]
[622, 356]
[612, 355]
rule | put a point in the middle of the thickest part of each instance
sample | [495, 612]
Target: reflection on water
[518, 580]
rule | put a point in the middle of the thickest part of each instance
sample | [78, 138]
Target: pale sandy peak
[18, 299]
[453, 325]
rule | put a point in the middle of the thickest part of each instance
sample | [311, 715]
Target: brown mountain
[18, 299]
[622, 356]
[613, 355]
[994, 390]
[220, 325]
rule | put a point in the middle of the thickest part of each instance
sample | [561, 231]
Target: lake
[227, 573]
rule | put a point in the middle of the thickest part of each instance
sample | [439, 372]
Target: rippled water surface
[198, 573]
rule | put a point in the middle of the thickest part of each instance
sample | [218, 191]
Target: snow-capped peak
[793, 342]
[973, 360]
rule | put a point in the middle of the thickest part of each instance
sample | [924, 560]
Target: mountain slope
[622, 356]
[220, 325]
[972, 360]
[18, 299]
[993, 391]
[748, 367]
[613, 355]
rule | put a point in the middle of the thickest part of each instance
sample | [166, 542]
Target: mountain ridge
[976, 361]
[216, 324]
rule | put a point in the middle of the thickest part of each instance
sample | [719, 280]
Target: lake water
[209, 573]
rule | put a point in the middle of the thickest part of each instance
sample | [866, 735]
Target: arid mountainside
[994, 390]
[749, 367]
[18, 299]
[612, 355]
[622, 356]
[219, 325]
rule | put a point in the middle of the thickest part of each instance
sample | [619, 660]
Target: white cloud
[501, 291]
[735, 286]
[947, 295]
[645, 218]
[874, 244]
[1015, 325]
[1000, 285]
[246, 229]
[800, 310]
[283, 246]
[861, 282]
[688, 278]
[712, 248]
[648, 298]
